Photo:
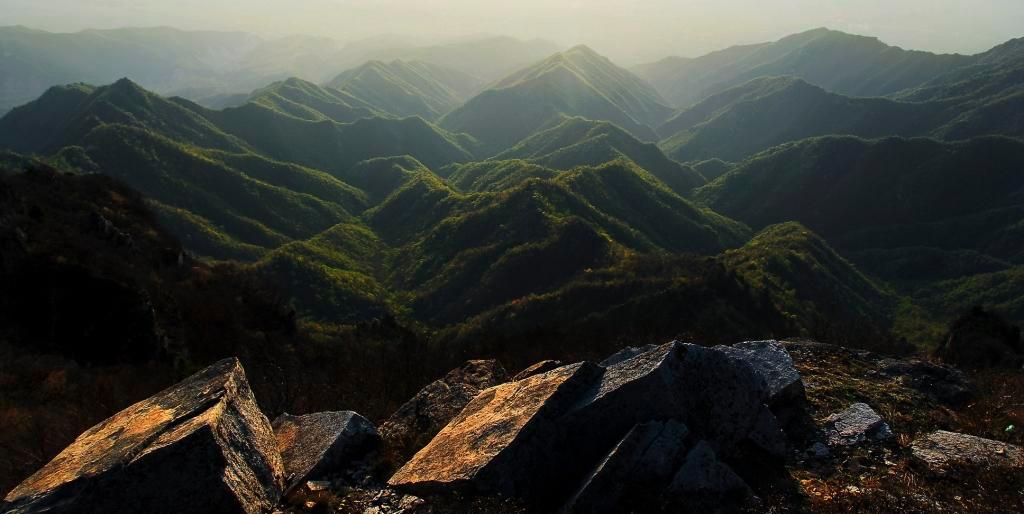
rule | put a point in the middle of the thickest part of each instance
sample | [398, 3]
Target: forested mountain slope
[402, 89]
[577, 82]
[577, 142]
[767, 112]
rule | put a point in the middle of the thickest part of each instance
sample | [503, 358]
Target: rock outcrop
[625, 354]
[315, 446]
[413, 425]
[502, 440]
[941, 451]
[772, 362]
[675, 428]
[784, 386]
[719, 397]
[200, 446]
[857, 424]
[590, 438]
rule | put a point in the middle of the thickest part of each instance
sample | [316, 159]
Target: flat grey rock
[941, 450]
[857, 424]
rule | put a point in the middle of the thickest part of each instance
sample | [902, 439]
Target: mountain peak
[584, 49]
[580, 53]
[377, 63]
[831, 35]
[78, 87]
[403, 88]
[818, 31]
[294, 81]
[576, 82]
[126, 85]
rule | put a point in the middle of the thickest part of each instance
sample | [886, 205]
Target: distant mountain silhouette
[836, 61]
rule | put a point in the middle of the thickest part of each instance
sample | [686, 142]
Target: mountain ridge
[577, 82]
[839, 62]
[577, 141]
[407, 88]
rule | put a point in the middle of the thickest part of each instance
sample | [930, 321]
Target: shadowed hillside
[881, 192]
[767, 112]
[579, 142]
[913, 211]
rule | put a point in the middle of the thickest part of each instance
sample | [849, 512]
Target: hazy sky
[628, 30]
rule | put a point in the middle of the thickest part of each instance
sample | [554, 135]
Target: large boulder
[326, 443]
[584, 423]
[773, 364]
[201, 446]
[643, 387]
[417, 421]
[784, 386]
[637, 469]
[503, 440]
[725, 397]
[857, 424]
[943, 451]
[717, 395]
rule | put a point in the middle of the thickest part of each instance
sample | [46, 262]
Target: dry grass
[884, 478]
[999, 405]
[837, 377]
[365, 499]
[904, 488]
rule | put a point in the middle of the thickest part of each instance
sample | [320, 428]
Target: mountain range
[769, 111]
[412, 188]
[352, 221]
[217, 67]
[847, 64]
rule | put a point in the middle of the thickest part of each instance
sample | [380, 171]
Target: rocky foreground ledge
[200, 446]
[677, 427]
